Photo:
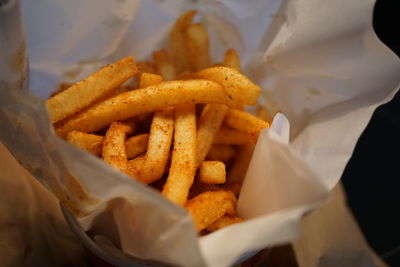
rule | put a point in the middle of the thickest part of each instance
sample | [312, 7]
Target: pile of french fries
[181, 129]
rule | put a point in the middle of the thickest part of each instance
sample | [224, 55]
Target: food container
[325, 80]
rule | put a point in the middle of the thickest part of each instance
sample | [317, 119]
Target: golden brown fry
[140, 101]
[238, 86]
[222, 222]
[182, 171]
[177, 45]
[198, 47]
[161, 133]
[87, 91]
[89, 142]
[229, 136]
[208, 207]
[212, 172]
[211, 119]
[134, 166]
[245, 122]
[221, 153]
[114, 152]
[146, 67]
[148, 79]
[136, 145]
[231, 60]
[239, 167]
[163, 65]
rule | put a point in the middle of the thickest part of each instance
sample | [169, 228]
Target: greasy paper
[325, 71]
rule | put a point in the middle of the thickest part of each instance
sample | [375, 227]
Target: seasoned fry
[161, 133]
[229, 136]
[198, 47]
[146, 67]
[177, 45]
[140, 101]
[148, 79]
[208, 207]
[221, 153]
[222, 222]
[114, 152]
[212, 172]
[210, 121]
[245, 122]
[182, 171]
[136, 145]
[134, 166]
[231, 60]
[238, 86]
[163, 65]
[87, 91]
[239, 166]
[89, 142]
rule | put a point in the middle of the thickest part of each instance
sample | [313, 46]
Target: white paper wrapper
[319, 63]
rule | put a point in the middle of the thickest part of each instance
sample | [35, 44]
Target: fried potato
[163, 65]
[134, 167]
[114, 152]
[231, 60]
[239, 167]
[140, 101]
[148, 79]
[87, 91]
[161, 133]
[211, 119]
[89, 142]
[198, 47]
[238, 86]
[245, 122]
[229, 136]
[136, 145]
[183, 164]
[177, 45]
[222, 153]
[146, 67]
[222, 222]
[208, 207]
[92, 143]
[212, 172]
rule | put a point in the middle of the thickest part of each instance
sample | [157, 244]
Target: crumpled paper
[325, 71]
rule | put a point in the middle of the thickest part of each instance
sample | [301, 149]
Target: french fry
[92, 143]
[245, 122]
[229, 136]
[177, 45]
[222, 153]
[224, 221]
[199, 188]
[89, 142]
[87, 91]
[238, 86]
[211, 119]
[146, 67]
[163, 65]
[239, 167]
[114, 152]
[231, 60]
[208, 207]
[182, 171]
[198, 47]
[136, 145]
[148, 79]
[134, 166]
[212, 172]
[161, 133]
[140, 101]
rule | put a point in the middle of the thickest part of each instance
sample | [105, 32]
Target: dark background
[375, 164]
